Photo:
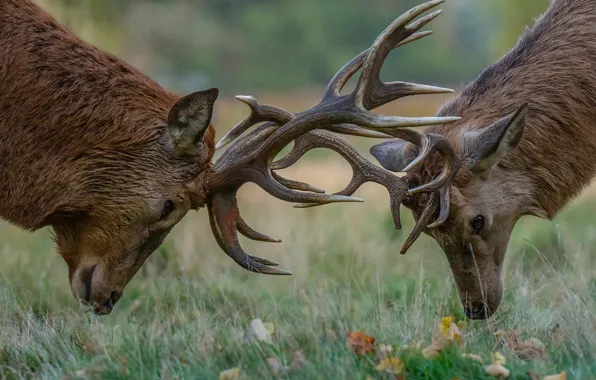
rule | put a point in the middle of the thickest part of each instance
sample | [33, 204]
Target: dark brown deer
[112, 161]
[525, 143]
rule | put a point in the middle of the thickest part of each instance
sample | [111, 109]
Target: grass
[184, 315]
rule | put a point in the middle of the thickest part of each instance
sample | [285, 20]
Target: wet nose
[478, 310]
[106, 307]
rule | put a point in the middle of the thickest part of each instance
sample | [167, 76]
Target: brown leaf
[298, 360]
[531, 349]
[275, 365]
[532, 375]
[561, 376]
[557, 334]
[497, 370]
[360, 343]
[230, 374]
[436, 347]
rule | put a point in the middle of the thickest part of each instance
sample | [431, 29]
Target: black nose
[107, 307]
[478, 310]
[114, 297]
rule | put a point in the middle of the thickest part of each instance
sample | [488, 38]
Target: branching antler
[250, 158]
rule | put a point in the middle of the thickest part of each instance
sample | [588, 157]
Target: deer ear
[390, 154]
[188, 120]
[486, 147]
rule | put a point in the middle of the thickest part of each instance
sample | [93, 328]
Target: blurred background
[288, 45]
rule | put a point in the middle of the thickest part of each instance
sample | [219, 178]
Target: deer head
[134, 193]
[485, 204]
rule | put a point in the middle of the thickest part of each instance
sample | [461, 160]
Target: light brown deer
[112, 161]
[526, 143]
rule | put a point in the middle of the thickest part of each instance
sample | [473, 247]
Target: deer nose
[106, 307]
[478, 310]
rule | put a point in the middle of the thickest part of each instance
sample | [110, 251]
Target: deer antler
[250, 158]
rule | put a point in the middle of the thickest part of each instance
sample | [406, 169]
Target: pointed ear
[486, 147]
[390, 154]
[188, 120]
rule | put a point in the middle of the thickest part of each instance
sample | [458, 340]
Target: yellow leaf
[445, 325]
[473, 357]
[392, 365]
[270, 327]
[497, 370]
[230, 374]
[561, 376]
[499, 359]
[450, 330]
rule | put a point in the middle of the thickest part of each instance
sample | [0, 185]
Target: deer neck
[60, 99]
[552, 68]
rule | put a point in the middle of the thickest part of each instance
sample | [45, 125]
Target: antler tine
[258, 114]
[217, 221]
[444, 199]
[250, 233]
[428, 212]
[395, 33]
[296, 185]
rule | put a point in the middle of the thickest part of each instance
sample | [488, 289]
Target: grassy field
[185, 314]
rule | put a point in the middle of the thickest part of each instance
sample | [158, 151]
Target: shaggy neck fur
[63, 104]
[553, 68]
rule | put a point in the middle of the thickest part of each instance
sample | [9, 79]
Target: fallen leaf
[275, 365]
[257, 332]
[230, 374]
[449, 330]
[90, 347]
[134, 306]
[298, 360]
[561, 376]
[532, 376]
[473, 357]
[391, 365]
[557, 335]
[270, 327]
[499, 359]
[497, 370]
[436, 347]
[361, 343]
[530, 349]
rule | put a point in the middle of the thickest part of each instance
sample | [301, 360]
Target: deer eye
[477, 224]
[168, 208]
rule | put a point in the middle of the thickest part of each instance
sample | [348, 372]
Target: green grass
[185, 313]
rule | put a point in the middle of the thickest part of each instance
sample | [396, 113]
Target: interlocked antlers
[250, 158]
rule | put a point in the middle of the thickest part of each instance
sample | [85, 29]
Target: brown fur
[553, 69]
[84, 146]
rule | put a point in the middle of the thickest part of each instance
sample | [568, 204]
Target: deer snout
[93, 288]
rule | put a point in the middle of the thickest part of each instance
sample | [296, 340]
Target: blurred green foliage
[289, 44]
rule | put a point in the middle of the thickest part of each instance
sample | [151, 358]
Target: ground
[185, 314]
